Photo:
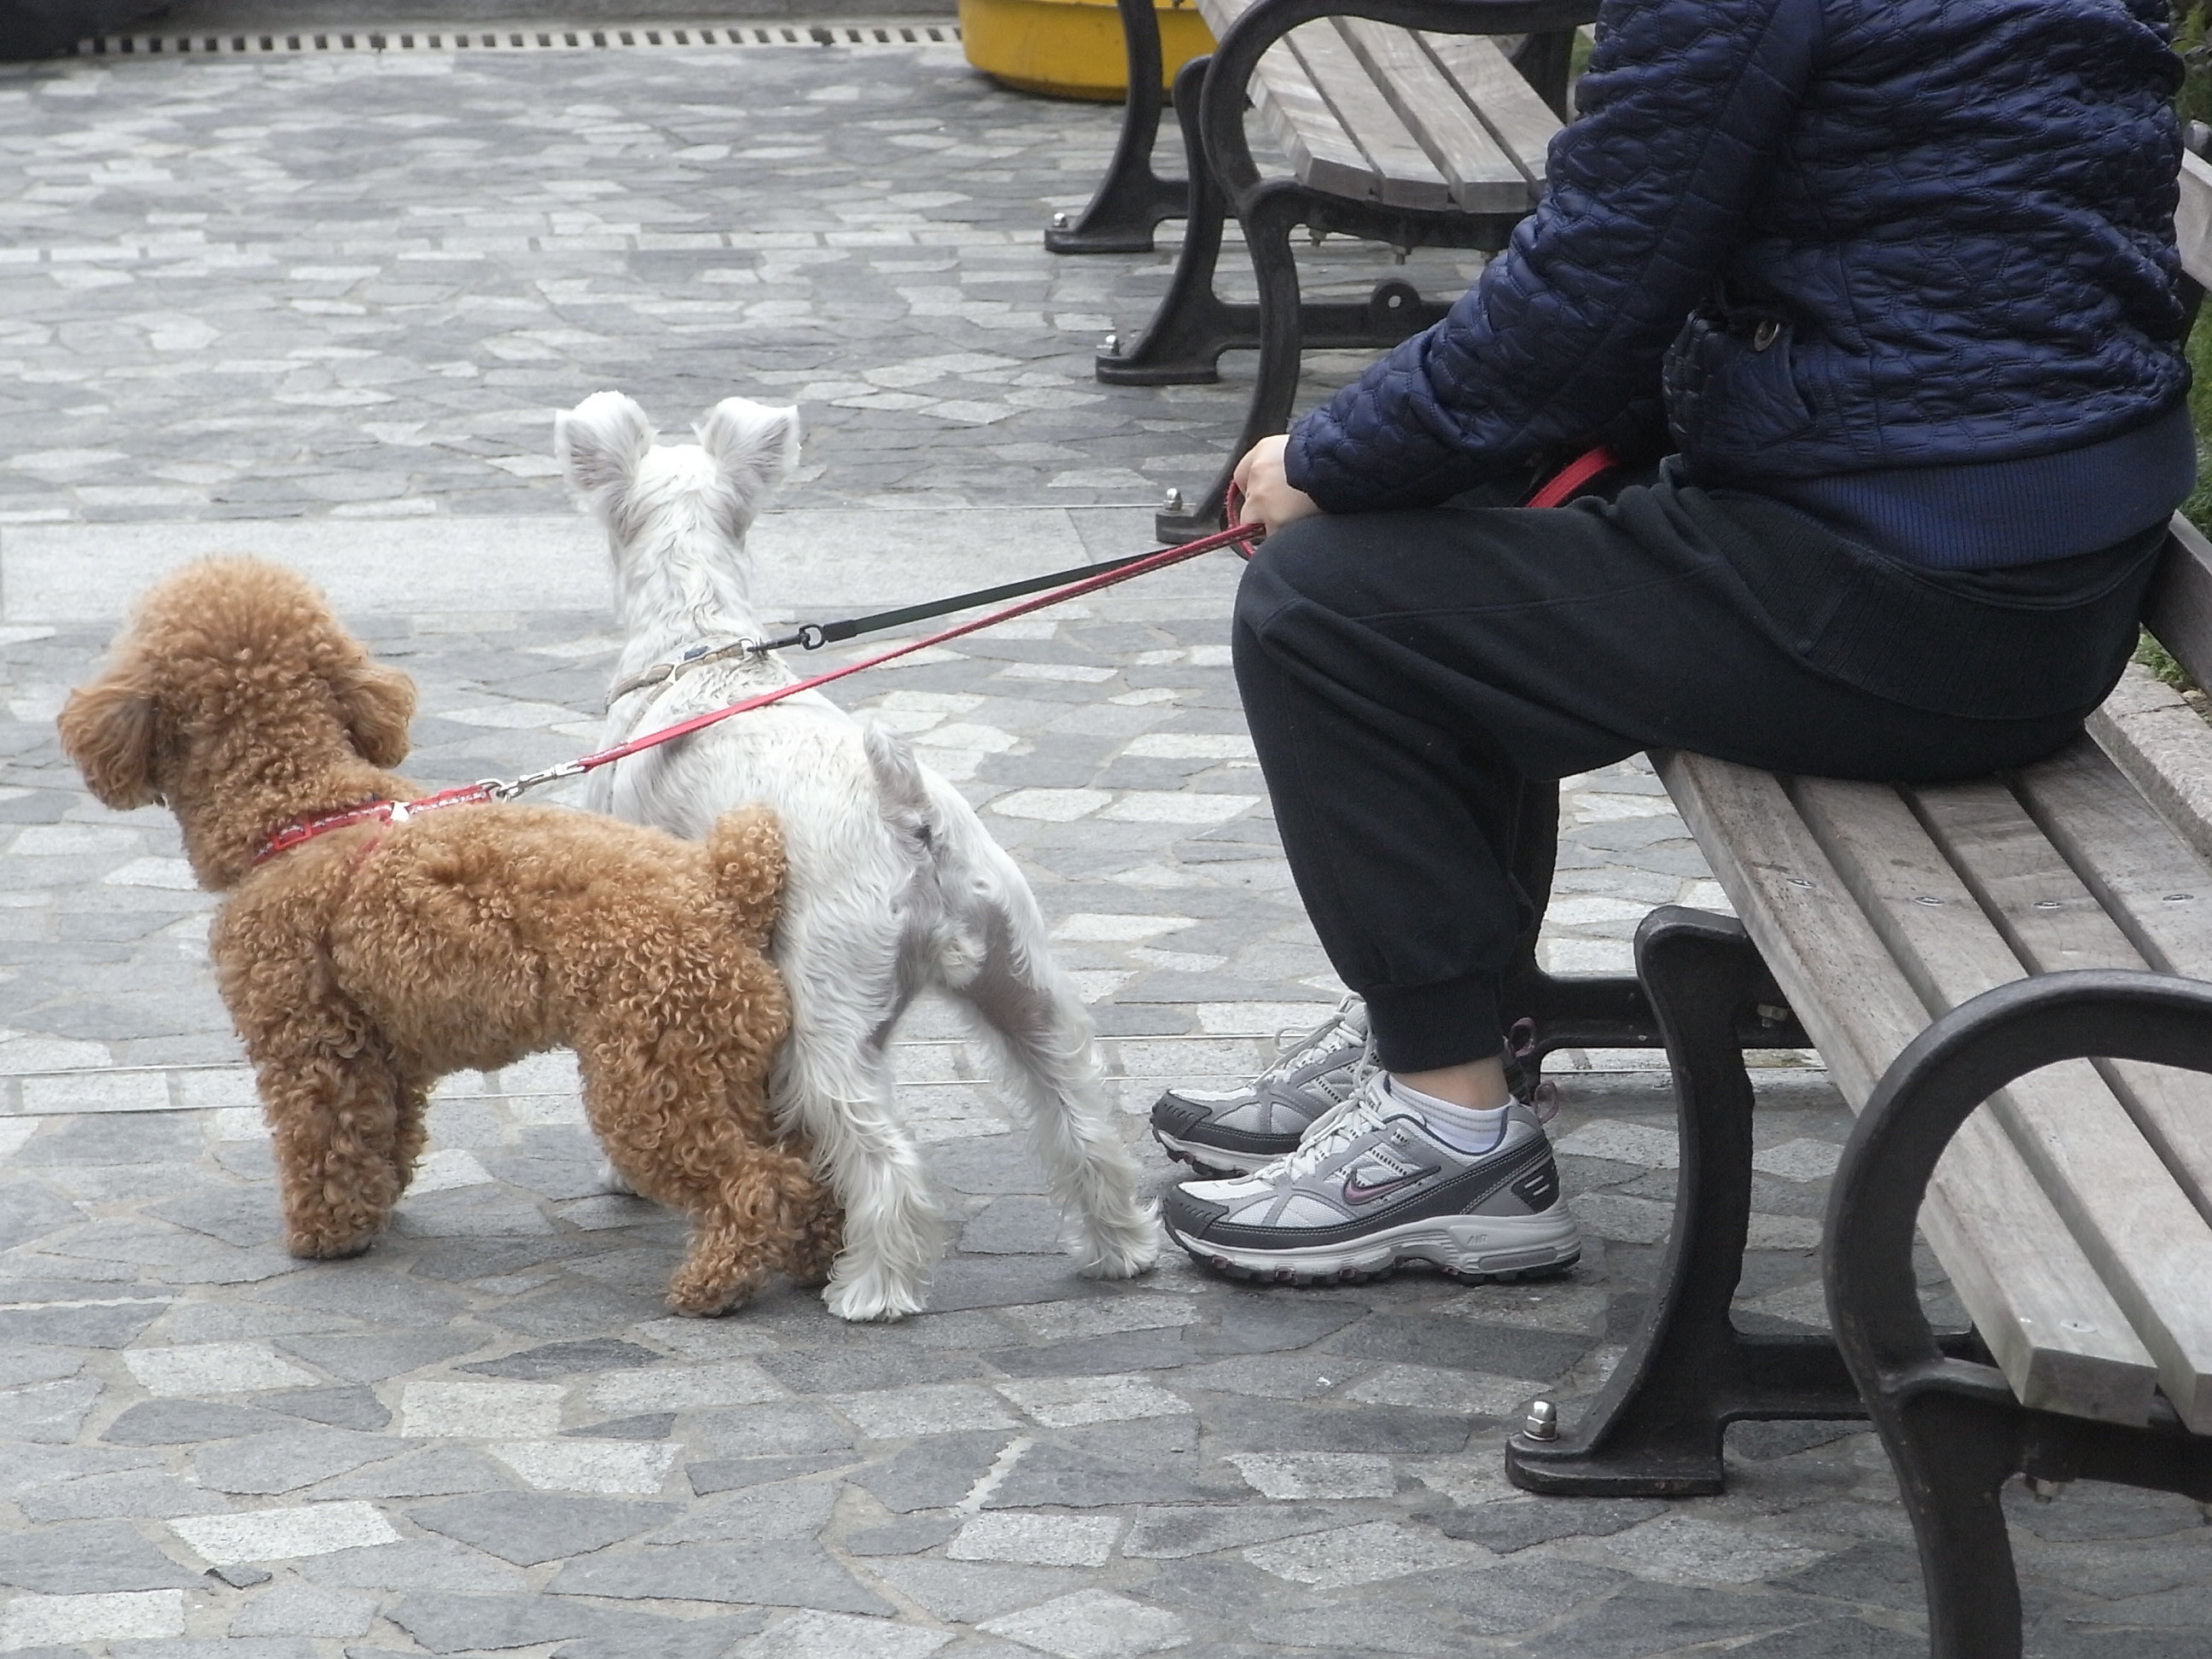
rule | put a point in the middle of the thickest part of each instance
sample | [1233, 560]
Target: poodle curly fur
[362, 966]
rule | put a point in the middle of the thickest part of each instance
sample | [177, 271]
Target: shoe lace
[1351, 1117]
[1292, 1046]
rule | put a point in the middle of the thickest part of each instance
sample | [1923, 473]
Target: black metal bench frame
[1193, 324]
[1955, 1431]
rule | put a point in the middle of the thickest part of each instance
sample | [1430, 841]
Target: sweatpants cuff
[1424, 1028]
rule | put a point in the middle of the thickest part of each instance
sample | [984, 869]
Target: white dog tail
[993, 947]
[744, 849]
[899, 782]
[922, 834]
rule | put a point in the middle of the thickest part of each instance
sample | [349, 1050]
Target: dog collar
[395, 812]
[697, 656]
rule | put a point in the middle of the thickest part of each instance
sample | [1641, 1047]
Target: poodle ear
[755, 448]
[107, 729]
[376, 703]
[600, 444]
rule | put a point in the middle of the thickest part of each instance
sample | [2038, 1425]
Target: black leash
[814, 635]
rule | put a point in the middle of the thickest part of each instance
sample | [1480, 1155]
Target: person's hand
[1269, 498]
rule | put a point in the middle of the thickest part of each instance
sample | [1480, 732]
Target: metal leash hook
[499, 789]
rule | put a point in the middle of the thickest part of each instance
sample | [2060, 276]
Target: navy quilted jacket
[1845, 234]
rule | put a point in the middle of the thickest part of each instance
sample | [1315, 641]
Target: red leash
[1234, 536]
[1560, 487]
[492, 789]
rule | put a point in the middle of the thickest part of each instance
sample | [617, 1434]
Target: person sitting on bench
[1896, 280]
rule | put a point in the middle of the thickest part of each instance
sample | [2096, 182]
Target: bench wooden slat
[1299, 119]
[1367, 110]
[2053, 919]
[2148, 1241]
[1404, 174]
[2165, 749]
[2054, 1329]
[2156, 895]
[2156, 887]
[1484, 178]
[1296, 117]
[1520, 121]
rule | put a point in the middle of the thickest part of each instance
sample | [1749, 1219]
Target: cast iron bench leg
[1545, 61]
[1285, 326]
[1584, 1011]
[1655, 1430]
[1131, 199]
[1273, 211]
[1955, 1431]
[1193, 327]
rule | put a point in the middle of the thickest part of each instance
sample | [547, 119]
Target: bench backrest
[2179, 612]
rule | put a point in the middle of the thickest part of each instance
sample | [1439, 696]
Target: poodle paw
[705, 1301]
[713, 1308]
[1119, 1252]
[316, 1246]
[872, 1297]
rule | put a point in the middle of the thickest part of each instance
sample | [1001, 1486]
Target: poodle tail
[744, 849]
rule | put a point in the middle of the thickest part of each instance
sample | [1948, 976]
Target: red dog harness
[373, 812]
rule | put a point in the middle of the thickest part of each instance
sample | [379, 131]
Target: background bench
[2037, 920]
[1403, 122]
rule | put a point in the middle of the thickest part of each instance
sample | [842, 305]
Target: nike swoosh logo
[1359, 1192]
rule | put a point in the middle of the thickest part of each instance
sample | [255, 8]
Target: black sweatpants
[1416, 681]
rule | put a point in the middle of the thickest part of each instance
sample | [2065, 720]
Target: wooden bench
[1405, 122]
[2040, 942]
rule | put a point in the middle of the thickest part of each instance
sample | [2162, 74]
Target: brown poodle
[362, 965]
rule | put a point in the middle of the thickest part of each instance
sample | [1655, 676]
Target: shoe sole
[1212, 1160]
[1476, 1247]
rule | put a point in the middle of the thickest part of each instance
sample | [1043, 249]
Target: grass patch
[2156, 657]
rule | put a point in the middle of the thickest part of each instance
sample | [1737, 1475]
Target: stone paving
[486, 1437]
[194, 253]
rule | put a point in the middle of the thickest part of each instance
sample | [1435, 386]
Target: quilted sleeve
[1684, 107]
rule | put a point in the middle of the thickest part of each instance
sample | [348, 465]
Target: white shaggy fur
[894, 885]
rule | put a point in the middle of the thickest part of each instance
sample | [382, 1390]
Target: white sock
[1462, 1128]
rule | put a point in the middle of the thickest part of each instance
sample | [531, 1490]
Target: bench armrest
[1965, 1056]
[1221, 107]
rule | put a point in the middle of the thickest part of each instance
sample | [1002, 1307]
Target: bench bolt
[1059, 222]
[1543, 1422]
[2047, 1492]
[1172, 502]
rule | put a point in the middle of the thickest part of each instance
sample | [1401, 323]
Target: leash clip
[506, 789]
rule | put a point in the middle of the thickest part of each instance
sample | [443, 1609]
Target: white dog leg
[614, 1180]
[1046, 1035]
[839, 1087]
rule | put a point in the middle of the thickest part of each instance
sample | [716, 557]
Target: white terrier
[894, 885]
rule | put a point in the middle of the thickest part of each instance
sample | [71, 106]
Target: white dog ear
[753, 446]
[600, 443]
